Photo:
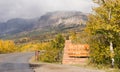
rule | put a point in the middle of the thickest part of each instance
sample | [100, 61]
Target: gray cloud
[34, 8]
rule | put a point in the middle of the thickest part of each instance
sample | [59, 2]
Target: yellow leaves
[28, 47]
[73, 36]
[33, 47]
[7, 46]
[104, 26]
[112, 55]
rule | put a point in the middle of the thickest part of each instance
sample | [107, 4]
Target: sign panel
[81, 50]
[75, 53]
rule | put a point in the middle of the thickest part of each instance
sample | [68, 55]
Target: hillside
[49, 22]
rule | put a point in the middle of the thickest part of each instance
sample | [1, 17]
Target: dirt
[47, 67]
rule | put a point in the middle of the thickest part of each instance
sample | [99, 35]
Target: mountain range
[51, 21]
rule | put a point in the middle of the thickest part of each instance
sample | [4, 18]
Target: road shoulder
[51, 67]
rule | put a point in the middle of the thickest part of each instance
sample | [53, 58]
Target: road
[16, 62]
[47, 67]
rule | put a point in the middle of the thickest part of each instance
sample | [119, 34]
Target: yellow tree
[105, 22]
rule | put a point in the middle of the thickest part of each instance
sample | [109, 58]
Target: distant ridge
[58, 20]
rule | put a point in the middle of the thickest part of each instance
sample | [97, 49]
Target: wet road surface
[16, 62]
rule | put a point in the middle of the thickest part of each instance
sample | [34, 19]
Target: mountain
[14, 26]
[51, 21]
[66, 18]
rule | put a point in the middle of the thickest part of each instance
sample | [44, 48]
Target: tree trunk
[112, 52]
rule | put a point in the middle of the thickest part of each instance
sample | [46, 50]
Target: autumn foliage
[7, 46]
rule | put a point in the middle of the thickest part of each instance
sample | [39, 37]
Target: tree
[53, 49]
[104, 22]
[73, 36]
[58, 43]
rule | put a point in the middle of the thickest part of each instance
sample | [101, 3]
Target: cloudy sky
[35, 8]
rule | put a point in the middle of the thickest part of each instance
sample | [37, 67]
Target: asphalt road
[16, 62]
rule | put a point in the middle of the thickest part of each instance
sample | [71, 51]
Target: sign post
[37, 55]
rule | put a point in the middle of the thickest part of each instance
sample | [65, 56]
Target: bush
[53, 50]
[99, 51]
[117, 58]
[50, 55]
[7, 46]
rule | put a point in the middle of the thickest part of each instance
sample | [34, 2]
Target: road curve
[15, 62]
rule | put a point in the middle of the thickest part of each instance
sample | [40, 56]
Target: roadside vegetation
[7, 46]
[53, 49]
[102, 33]
[103, 27]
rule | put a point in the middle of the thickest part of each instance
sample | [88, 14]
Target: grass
[112, 70]
[105, 68]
